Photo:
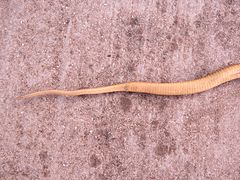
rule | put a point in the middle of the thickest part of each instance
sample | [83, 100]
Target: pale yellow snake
[177, 88]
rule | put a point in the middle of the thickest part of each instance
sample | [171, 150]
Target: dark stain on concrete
[103, 137]
[131, 67]
[45, 171]
[43, 155]
[173, 45]
[126, 104]
[134, 21]
[94, 161]
[165, 149]
[154, 125]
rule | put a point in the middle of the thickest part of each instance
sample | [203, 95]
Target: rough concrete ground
[69, 44]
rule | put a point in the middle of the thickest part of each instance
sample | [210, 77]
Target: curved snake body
[176, 88]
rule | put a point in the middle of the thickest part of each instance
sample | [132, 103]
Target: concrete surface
[77, 44]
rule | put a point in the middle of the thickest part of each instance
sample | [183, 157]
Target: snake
[187, 87]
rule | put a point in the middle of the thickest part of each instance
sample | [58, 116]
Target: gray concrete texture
[69, 44]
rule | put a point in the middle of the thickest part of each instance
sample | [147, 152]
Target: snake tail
[175, 88]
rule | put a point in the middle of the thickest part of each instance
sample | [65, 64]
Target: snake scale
[175, 88]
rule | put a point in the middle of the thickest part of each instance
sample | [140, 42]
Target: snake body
[176, 88]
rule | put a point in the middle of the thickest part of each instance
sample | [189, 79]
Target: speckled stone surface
[71, 44]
